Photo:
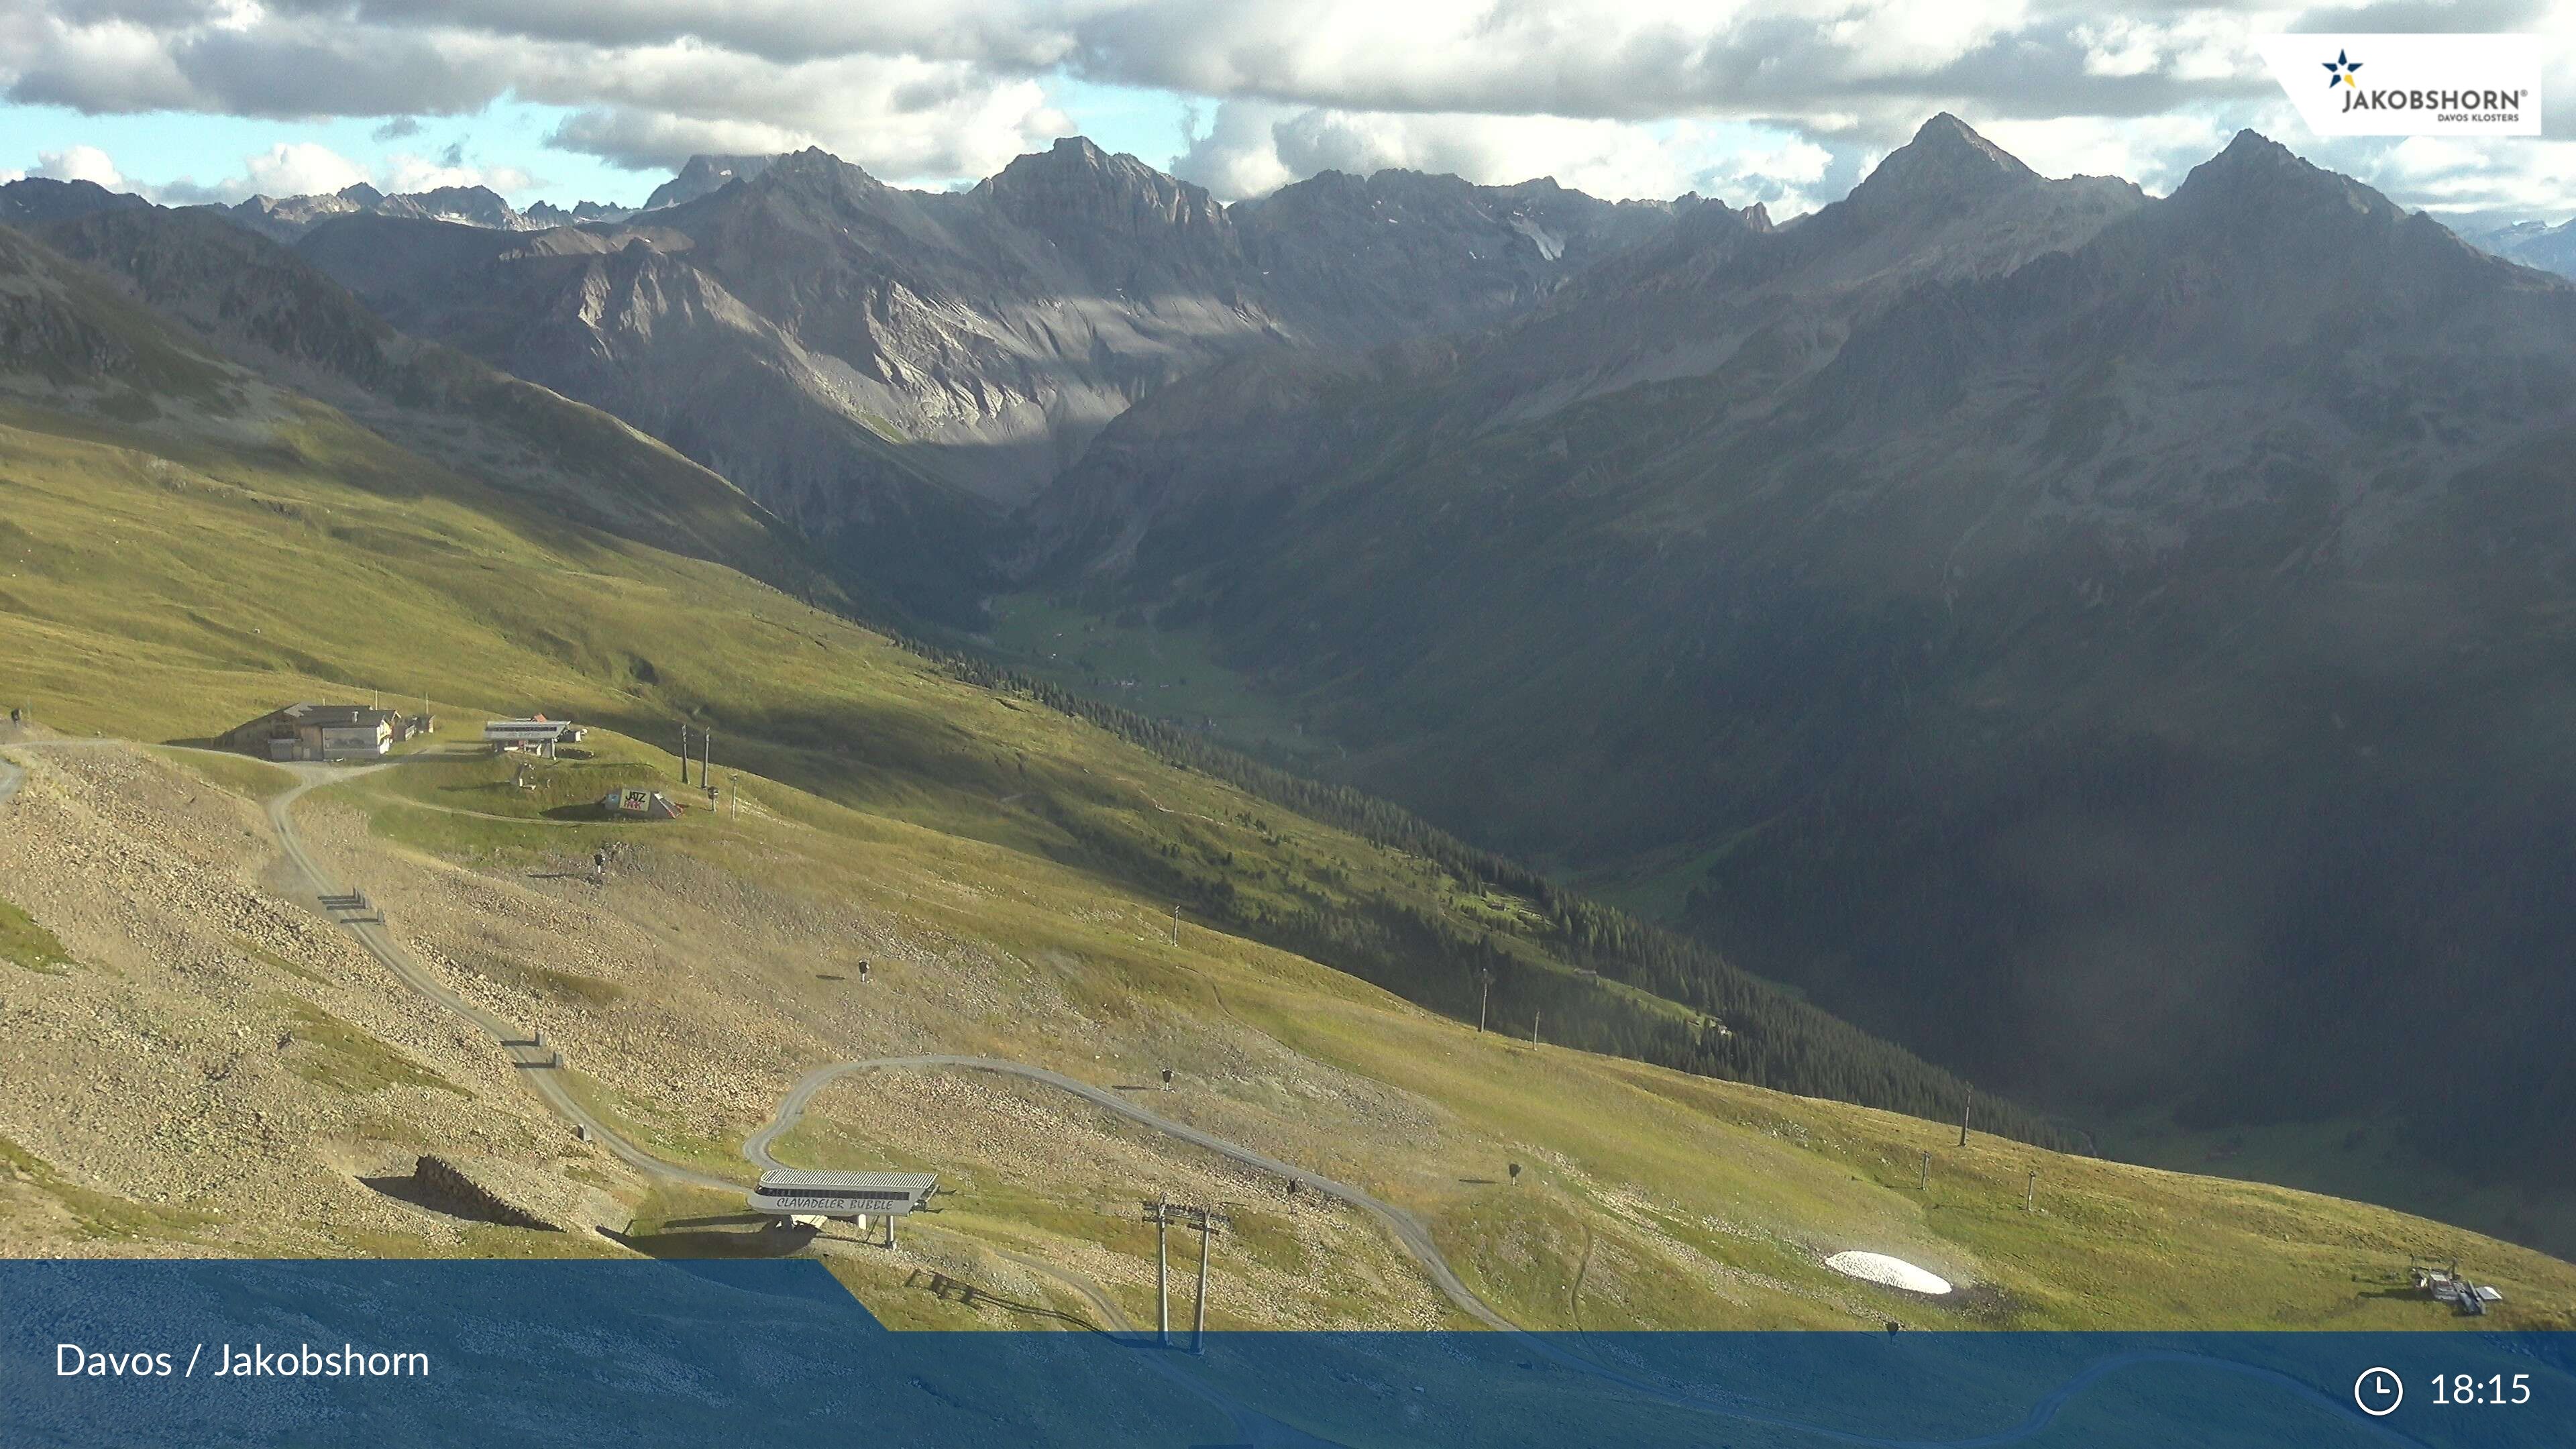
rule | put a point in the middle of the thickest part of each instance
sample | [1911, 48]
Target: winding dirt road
[1408, 1229]
[539, 1065]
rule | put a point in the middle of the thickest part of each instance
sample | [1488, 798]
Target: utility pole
[1162, 1214]
[1198, 1306]
[1176, 923]
[1965, 1103]
[707, 758]
[1926, 1184]
[1534, 1020]
[2030, 1194]
[684, 754]
[1484, 994]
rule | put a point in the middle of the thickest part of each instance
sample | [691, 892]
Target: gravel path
[536, 1065]
[1408, 1229]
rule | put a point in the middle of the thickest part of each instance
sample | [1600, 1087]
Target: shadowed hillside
[2111, 644]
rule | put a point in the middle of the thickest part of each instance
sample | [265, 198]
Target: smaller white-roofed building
[797, 1192]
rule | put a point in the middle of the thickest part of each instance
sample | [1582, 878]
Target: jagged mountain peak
[811, 162]
[1947, 159]
[2250, 147]
[813, 171]
[2259, 177]
[473, 205]
[2253, 158]
[476, 192]
[546, 213]
[1076, 160]
[357, 193]
[703, 175]
[1074, 189]
[1076, 151]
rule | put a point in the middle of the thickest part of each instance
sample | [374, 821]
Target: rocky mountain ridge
[895, 370]
[286, 218]
[2038, 619]
[2534, 244]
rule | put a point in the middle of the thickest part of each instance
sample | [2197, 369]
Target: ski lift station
[790, 1193]
[539, 734]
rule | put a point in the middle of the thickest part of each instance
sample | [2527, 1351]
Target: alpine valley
[2113, 653]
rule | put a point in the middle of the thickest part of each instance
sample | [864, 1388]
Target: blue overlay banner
[384, 1354]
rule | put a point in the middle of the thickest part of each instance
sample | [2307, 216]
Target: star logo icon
[2339, 72]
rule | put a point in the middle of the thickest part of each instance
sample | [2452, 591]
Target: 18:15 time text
[2493, 1389]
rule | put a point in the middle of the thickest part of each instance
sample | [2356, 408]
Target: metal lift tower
[1164, 1214]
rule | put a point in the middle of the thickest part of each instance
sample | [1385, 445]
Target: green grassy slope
[516, 475]
[1648, 1199]
[159, 560]
[169, 568]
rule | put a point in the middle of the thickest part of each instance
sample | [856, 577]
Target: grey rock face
[265, 311]
[705, 175]
[844, 349]
[546, 213]
[1697, 293]
[284, 219]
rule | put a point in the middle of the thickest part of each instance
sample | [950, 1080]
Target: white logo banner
[2410, 85]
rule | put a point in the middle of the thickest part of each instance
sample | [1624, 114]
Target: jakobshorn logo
[2418, 85]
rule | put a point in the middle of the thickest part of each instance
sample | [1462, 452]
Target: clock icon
[2378, 1391]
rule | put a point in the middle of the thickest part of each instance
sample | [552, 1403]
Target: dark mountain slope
[35, 200]
[1358, 261]
[2118, 646]
[1717, 296]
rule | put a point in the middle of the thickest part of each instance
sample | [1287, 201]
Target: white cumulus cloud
[1249, 148]
[1627, 96]
[80, 163]
[300, 168]
[405, 172]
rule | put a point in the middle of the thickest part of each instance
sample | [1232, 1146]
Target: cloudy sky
[1786, 102]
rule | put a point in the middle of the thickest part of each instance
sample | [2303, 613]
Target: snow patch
[1550, 245]
[1893, 1272]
